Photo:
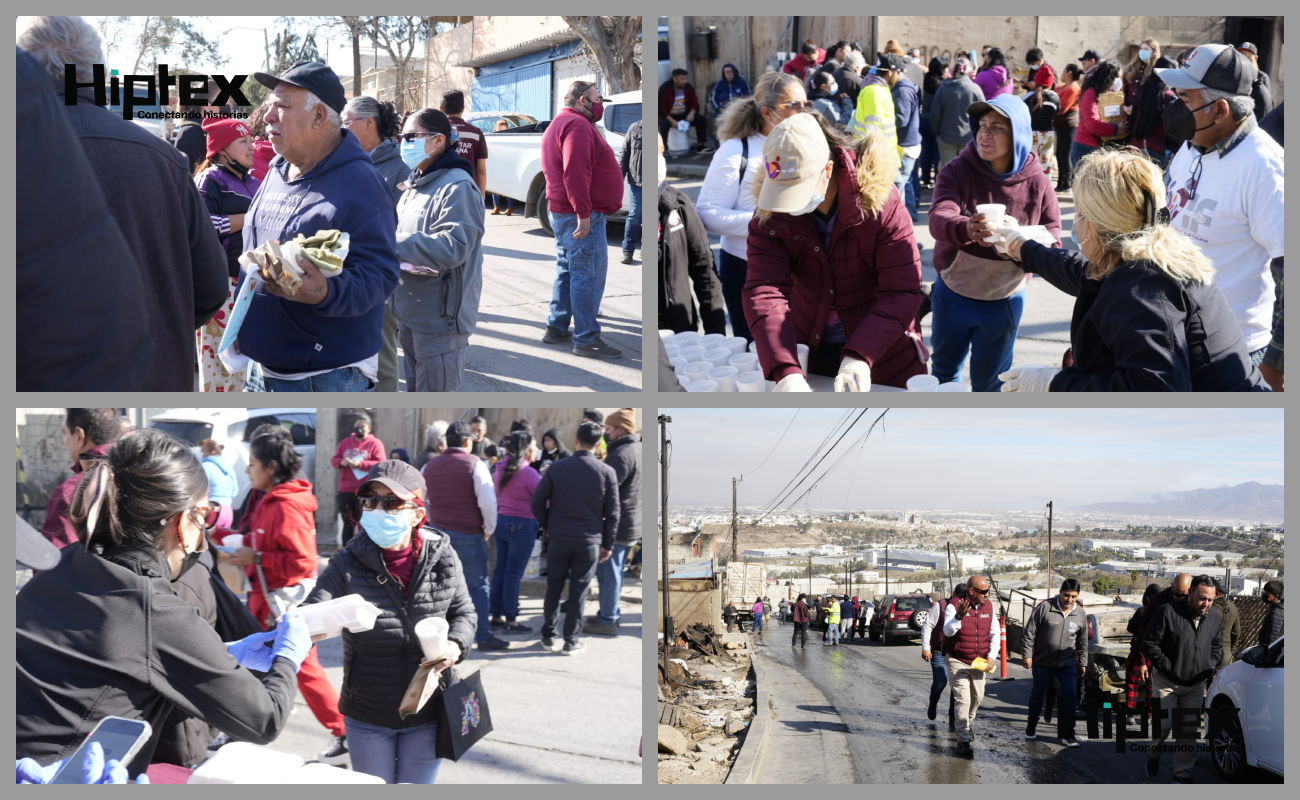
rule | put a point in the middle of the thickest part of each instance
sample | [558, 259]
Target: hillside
[1246, 501]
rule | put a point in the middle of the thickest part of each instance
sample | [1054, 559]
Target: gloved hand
[1010, 238]
[854, 375]
[794, 382]
[1029, 378]
[683, 126]
[254, 652]
[94, 770]
[292, 639]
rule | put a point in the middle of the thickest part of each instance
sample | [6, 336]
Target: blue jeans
[903, 180]
[733, 271]
[515, 538]
[1077, 152]
[609, 575]
[471, 549]
[501, 201]
[398, 755]
[927, 167]
[632, 228]
[580, 267]
[1257, 357]
[984, 328]
[346, 379]
[939, 679]
[1065, 676]
[833, 630]
[758, 623]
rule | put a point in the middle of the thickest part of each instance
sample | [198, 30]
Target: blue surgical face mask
[383, 528]
[1144, 54]
[832, 88]
[413, 153]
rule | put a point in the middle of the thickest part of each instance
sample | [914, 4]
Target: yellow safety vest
[833, 613]
[876, 110]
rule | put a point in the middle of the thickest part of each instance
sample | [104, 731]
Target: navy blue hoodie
[343, 192]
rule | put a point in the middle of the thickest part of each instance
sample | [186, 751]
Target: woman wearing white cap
[833, 262]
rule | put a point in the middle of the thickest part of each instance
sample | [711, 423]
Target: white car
[233, 428]
[1247, 730]
[486, 121]
[514, 164]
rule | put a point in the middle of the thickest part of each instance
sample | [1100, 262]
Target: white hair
[332, 117]
[855, 61]
[58, 41]
[1240, 105]
[435, 433]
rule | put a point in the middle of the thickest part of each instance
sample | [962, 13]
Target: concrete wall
[492, 34]
[692, 601]
[441, 55]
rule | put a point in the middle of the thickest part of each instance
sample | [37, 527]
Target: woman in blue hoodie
[222, 483]
[729, 88]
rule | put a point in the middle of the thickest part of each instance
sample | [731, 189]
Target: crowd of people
[1175, 169]
[1180, 638]
[143, 518]
[171, 222]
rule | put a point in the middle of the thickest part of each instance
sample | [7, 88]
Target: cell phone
[121, 739]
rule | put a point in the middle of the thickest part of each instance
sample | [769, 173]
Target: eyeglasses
[796, 105]
[411, 137]
[388, 502]
[207, 517]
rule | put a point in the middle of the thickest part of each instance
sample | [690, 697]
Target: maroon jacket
[972, 639]
[871, 277]
[668, 93]
[58, 527]
[449, 491]
[972, 269]
[800, 613]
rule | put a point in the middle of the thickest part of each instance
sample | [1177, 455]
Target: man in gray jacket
[948, 118]
[440, 246]
[624, 457]
[1056, 646]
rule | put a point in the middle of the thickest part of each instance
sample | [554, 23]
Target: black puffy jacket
[686, 265]
[629, 161]
[1138, 330]
[1272, 626]
[1184, 653]
[378, 664]
[624, 456]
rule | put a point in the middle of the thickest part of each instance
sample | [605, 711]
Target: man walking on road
[1183, 642]
[624, 457]
[463, 503]
[932, 652]
[970, 632]
[583, 184]
[1056, 646]
[799, 615]
[577, 503]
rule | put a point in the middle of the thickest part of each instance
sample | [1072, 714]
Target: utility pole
[810, 591]
[735, 539]
[886, 567]
[950, 569]
[1049, 548]
[663, 488]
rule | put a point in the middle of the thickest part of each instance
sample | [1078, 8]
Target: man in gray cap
[1260, 91]
[1225, 192]
[325, 336]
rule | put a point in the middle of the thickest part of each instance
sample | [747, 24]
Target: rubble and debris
[706, 690]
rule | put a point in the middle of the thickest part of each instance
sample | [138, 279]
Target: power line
[778, 444]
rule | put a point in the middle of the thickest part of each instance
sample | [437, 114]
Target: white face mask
[663, 169]
[813, 202]
[1117, 85]
[832, 88]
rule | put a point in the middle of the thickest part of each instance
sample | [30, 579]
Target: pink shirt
[516, 500]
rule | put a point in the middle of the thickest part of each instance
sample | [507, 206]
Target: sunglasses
[970, 589]
[207, 517]
[411, 137]
[797, 105]
[389, 503]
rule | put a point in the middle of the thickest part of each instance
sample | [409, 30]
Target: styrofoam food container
[323, 773]
[350, 611]
[717, 356]
[725, 378]
[736, 344]
[703, 386]
[234, 541]
[683, 380]
[753, 346]
[744, 362]
[678, 362]
[922, 383]
[671, 349]
[241, 762]
[696, 370]
[711, 340]
[803, 357]
[665, 334]
[952, 386]
[686, 338]
[432, 633]
[750, 382]
[692, 353]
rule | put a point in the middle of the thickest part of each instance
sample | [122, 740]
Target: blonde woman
[1138, 70]
[726, 200]
[1147, 314]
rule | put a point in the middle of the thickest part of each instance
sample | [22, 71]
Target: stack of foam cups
[725, 377]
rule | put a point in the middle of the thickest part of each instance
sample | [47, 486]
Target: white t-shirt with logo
[1236, 217]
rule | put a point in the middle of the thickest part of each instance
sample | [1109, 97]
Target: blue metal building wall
[526, 90]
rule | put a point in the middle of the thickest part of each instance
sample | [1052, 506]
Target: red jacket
[58, 527]
[372, 453]
[871, 276]
[1091, 126]
[582, 174]
[282, 527]
[262, 155]
[799, 63]
[668, 93]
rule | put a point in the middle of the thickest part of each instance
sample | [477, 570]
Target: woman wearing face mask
[828, 101]
[141, 514]
[1136, 72]
[227, 188]
[356, 453]
[552, 450]
[516, 481]
[411, 573]
[1147, 314]
[279, 556]
[1149, 105]
[1092, 128]
[726, 200]
[685, 264]
[439, 242]
[833, 262]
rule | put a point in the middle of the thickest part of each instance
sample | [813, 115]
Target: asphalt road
[880, 693]
[1045, 325]
[506, 352]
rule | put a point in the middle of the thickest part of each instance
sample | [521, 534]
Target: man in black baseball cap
[1260, 91]
[1089, 61]
[323, 335]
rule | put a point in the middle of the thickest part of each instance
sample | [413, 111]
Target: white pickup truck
[514, 164]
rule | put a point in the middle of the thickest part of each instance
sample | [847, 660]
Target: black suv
[893, 615]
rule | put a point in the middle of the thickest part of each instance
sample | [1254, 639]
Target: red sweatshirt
[283, 530]
[582, 174]
[799, 63]
[372, 451]
[1091, 126]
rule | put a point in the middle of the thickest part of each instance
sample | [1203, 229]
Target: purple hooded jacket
[225, 194]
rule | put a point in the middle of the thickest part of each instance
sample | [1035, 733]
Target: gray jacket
[948, 118]
[440, 225]
[1053, 639]
[387, 159]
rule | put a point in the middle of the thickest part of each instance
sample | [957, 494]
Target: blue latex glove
[94, 770]
[254, 652]
[292, 639]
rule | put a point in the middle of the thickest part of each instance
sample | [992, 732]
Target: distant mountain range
[1245, 501]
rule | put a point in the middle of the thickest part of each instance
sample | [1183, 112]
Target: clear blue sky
[974, 459]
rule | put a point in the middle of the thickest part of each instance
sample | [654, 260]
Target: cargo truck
[742, 584]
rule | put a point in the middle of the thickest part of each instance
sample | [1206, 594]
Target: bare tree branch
[613, 41]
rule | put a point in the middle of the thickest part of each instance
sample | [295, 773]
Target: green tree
[176, 37]
[1104, 584]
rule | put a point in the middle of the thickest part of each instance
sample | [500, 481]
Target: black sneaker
[932, 710]
[1069, 741]
[1179, 779]
[1153, 767]
[571, 648]
[336, 755]
[597, 349]
[627, 258]
[548, 643]
[1031, 730]
[497, 622]
[601, 628]
[494, 644]
[556, 336]
[515, 627]
[965, 749]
